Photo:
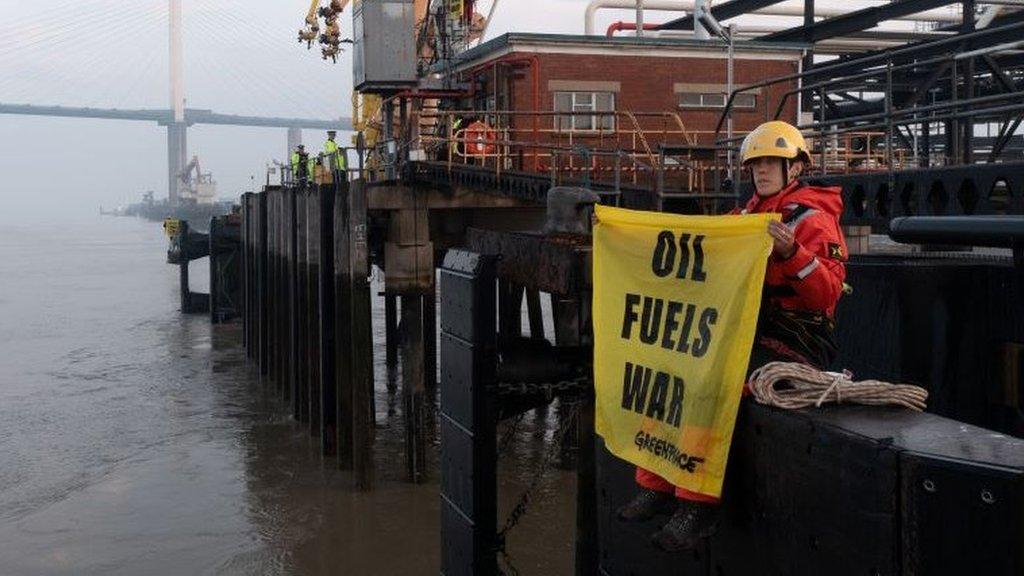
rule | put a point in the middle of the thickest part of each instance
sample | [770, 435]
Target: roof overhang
[624, 46]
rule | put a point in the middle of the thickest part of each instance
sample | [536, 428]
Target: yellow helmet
[776, 138]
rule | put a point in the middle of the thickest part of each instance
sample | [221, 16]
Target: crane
[330, 40]
[199, 186]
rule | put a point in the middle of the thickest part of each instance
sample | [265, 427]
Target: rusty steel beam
[557, 265]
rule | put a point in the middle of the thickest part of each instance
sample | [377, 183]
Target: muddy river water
[135, 440]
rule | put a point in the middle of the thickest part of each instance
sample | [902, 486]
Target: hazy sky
[241, 57]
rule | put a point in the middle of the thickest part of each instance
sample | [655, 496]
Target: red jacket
[812, 278]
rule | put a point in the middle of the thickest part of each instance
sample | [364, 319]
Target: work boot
[692, 522]
[646, 505]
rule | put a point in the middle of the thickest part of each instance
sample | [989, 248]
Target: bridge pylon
[177, 151]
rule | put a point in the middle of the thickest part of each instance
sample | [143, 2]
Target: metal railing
[898, 135]
[617, 149]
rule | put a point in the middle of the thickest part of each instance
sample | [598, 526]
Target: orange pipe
[620, 25]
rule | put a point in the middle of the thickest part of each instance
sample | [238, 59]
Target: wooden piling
[343, 327]
[273, 297]
[287, 294]
[510, 303]
[326, 316]
[565, 312]
[281, 294]
[391, 340]
[183, 266]
[313, 305]
[301, 409]
[261, 282]
[246, 219]
[413, 386]
[294, 299]
[430, 343]
[362, 340]
[534, 313]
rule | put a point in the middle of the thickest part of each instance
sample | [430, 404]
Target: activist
[802, 285]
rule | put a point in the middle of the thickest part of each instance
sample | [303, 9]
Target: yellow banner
[676, 300]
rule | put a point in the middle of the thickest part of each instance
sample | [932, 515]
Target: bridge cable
[46, 68]
[321, 85]
[292, 87]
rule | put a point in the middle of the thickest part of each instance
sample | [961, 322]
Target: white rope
[806, 386]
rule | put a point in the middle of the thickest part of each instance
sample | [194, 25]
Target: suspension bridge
[114, 54]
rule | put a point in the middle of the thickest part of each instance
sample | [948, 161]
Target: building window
[716, 100]
[585, 102]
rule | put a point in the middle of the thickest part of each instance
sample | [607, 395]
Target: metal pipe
[776, 10]
[866, 62]
[700, 32]
[639, 18]
[730, 30]
[620, 25]
[595, 5]
[993, 231]
[986, 17]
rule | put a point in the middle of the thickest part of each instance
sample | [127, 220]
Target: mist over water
[134, 439]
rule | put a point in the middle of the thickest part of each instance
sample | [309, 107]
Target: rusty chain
[520, 509]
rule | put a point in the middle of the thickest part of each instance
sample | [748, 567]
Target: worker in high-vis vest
[311, 168]
[335, 155]
[803, 282]
[299, 164]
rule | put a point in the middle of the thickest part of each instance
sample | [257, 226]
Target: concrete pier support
[294, 139]
[177, 149]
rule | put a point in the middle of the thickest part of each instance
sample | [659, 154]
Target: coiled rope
[810, 387]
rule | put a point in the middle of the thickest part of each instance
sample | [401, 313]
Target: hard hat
[301, 147]
[332, 132]
[776, 139]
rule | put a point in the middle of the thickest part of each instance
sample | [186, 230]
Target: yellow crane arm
[311, 15]
[309, 33]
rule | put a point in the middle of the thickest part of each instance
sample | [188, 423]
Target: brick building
[616, 93]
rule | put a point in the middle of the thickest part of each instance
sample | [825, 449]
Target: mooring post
[362, 340]
[328, 383]
[391, 339]
[413, 386]
[469, 509]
